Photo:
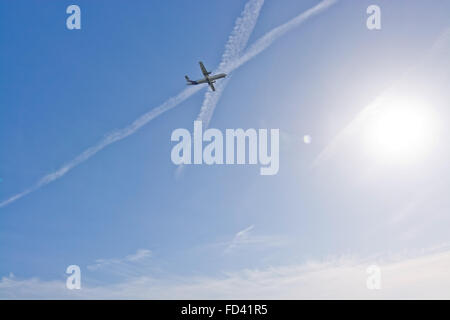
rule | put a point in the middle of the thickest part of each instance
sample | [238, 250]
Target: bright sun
[401, 130]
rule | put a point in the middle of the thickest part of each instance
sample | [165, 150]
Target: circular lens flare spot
[307, 139]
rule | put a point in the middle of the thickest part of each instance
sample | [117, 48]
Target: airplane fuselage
[210, 80]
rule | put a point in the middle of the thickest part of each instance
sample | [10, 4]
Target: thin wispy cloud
[241, 237]
[258, 47]
[248, 239]
[140, 255]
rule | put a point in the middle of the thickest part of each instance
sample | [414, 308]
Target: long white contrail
[265, 41]
[237, 41]
[238, 38]
[210, 101]
[259, 46]
[234, 60]
[109, 139]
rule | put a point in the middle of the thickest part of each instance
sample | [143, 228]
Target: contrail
[233, 60]
[229, 64]
[259, 46]
[265, 41]
[109, 139]
[237, 41]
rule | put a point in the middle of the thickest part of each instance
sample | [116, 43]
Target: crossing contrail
[237, 41]
[234, 60]
[265, 41]
[230, 63]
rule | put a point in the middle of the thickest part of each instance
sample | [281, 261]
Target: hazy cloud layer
[423, 276]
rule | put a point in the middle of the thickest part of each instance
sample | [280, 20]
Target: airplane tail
[189, 81]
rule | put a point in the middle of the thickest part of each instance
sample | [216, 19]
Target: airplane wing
[204, 71]
[212, 86]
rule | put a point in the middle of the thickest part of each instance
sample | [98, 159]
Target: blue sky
[62, 91]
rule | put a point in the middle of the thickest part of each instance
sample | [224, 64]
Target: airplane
[210, 80]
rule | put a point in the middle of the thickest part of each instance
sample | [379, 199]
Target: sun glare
[401, 130]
